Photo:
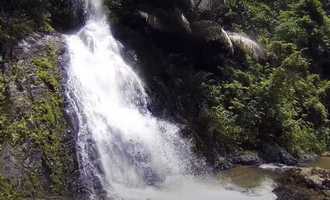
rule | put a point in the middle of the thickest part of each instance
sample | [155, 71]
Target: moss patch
[7, 190]
[33, 124]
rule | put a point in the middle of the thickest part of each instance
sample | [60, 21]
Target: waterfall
[125, 152]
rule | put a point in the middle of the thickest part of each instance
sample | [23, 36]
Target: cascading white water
[123, 149]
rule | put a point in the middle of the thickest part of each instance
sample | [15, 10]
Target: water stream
[124, 152]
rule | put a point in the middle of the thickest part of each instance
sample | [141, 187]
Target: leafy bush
[281, 104]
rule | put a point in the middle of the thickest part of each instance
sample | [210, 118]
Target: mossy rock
[35, 153]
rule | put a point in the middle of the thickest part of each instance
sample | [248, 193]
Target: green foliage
[2, 88]
[3, 118]
[282, 100]
[7, 191]
[304, 24]
[49, 125]
[265, 104]
[46, 70]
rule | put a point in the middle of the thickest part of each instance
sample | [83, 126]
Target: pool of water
[248, 177]
[260, 181]
[194, 188]
[322, 162]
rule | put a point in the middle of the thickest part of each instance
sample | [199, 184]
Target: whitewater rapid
[124, 152]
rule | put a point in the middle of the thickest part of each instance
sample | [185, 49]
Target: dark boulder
[212, 33]
[165, 21]
[247, 158]
[222, 163]
[203, 4]
[168, 4]
[207, 30]
[275, 153]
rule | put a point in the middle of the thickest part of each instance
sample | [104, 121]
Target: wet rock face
[176, 20]
[304, 184]
[173, 28]
[172, 22]
[37, 154]
[207, 30]
[68, 15]
[203, 4]
[169, 4]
